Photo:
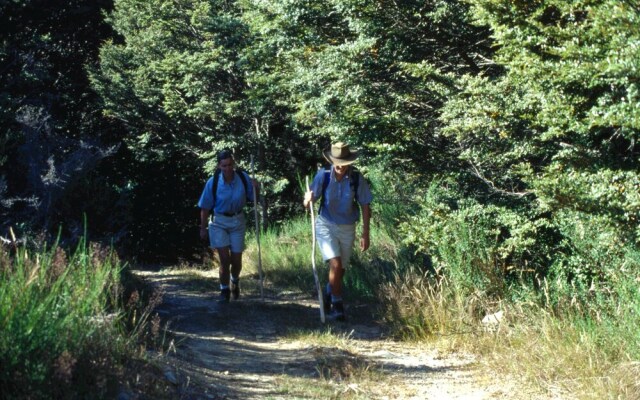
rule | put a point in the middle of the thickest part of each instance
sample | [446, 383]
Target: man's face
[340, 170]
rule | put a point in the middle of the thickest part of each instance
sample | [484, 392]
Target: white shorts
[335, 240]
[228, 231]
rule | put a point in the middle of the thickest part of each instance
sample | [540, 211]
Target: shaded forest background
[512, 124]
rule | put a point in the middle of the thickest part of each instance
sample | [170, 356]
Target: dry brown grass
[423, 307]
[547, 351]
[558, 357]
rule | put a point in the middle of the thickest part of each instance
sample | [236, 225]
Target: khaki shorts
[335, 240]
[228, 231]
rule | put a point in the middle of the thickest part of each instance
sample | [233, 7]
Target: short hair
[224, 154]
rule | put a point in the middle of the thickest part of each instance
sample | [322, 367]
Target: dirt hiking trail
[255, 349]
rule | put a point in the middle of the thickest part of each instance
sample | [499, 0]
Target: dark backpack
[216, 178]
[354, 180]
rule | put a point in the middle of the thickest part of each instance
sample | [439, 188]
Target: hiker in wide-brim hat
[342, 191]
[340, 154]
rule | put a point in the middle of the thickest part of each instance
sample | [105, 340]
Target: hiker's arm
[204, 223]
[366, 217]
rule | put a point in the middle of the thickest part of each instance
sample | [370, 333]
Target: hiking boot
[235, 290]
[337, 312]
[327, 300]
[225, 294]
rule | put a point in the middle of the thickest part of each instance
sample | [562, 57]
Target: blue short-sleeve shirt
[339, 206]
[230, 197]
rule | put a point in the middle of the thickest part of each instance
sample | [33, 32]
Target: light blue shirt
[230, 197]
[339, 207]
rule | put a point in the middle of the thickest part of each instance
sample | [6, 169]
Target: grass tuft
[69, 321]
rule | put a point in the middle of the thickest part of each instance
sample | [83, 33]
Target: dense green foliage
[280, 81]
[552, 139]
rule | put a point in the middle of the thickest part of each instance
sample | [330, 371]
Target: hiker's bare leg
[225, 261]
[236, 264]
[336, 272]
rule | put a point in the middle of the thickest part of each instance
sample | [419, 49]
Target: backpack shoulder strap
[355, 179]
[243, 178]
[325, 182]
[214, 187]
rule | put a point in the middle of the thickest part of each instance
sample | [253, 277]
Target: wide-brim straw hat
[340, 154]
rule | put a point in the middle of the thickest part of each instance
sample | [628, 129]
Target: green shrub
[593, 256]
[479, 247]
[596, 282]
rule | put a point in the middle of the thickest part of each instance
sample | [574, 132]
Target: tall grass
[286, 255]
[570, 354]
[419, 306]
[57, 338]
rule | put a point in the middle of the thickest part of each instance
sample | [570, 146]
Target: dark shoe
[337, 312]
[235, 290]
[327, 300]
[225, 294]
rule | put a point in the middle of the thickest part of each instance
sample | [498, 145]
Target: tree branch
[476, 171]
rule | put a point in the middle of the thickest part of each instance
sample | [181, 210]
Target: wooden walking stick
[313, 257]
[255, 213]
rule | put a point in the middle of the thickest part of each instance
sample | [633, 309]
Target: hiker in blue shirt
[340, 190]
[226, 229]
